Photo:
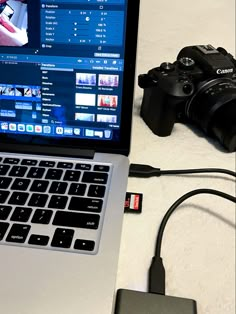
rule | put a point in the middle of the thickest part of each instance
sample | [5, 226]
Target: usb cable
[146, 171]
[156, 275]
[157, 270]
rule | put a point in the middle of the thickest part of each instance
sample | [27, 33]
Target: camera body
[200, 87]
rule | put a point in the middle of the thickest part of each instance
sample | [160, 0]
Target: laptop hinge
[46, 150]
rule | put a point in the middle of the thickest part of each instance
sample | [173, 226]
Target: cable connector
[143, 171]
[157, 276]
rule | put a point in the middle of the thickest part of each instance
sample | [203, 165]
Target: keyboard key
[38, 200]
[61, 242]
[58, 187]
[96, 190]
[83, 166]
[65, 165]
[38, 239]
[29, 162]
[76, 220]
[5, 182]
[101, 168]
[58, 202]
[47, 163]
[71, 175]
[35, 172]
[4, 169]
[18, 233]
[62, 238]
[61, 232]
[42, 216]
[4, 211]
[18, 198]
[86, 204]
[39, 186]
[3, 196]
[77, 189]
[54, 174]
[12, 161]
[85, 245]
[18, 171]
[20, 184]
[3, 229]
[95, 177]
[21, 214]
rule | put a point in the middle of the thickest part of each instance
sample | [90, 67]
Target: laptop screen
[62, 70]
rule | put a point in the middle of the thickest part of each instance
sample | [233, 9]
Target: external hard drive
[134, 302]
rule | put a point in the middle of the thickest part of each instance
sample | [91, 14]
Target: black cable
[146, 171]
[177, 203]
[157, 270]
[203, 170]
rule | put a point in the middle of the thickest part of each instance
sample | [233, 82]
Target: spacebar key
[76, 220]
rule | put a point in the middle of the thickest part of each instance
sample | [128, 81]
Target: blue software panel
[66, 63]
[90, 27]
[87, 1]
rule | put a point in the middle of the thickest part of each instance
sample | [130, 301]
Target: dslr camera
[199, 88]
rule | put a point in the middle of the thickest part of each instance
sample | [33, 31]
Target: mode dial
[186, 63]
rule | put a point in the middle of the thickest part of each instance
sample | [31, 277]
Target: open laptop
[66, 91]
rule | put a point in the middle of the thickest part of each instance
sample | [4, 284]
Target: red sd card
[133, 203]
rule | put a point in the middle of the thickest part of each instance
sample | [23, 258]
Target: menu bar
[105, 64]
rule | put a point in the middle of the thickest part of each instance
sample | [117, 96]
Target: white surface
[199, 240]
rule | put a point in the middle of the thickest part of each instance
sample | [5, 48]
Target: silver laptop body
[64, 164]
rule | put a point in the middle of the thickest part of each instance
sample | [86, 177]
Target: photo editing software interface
[61, 67]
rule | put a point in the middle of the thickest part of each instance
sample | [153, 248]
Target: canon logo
[224, 71]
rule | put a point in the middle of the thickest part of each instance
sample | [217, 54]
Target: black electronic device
[135, 302]
[199, 87]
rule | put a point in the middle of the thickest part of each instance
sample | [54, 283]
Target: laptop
[67, 72]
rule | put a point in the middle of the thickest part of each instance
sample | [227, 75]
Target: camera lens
[224, 125]
[213, 108]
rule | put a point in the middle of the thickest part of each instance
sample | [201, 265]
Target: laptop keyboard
[52, 204]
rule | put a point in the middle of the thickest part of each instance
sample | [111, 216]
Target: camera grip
[158, 111]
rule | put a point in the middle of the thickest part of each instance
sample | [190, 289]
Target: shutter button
[167, 67]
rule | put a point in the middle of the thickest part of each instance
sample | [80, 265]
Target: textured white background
[199, 240]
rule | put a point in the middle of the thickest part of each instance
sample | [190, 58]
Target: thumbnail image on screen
[20, 91]
[89, 117]
[87, 79]
[106, 118]
[13, 23]
[85, 99]
[108, 80]
[107, 101]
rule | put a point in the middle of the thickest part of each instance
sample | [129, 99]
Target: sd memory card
[133, 203]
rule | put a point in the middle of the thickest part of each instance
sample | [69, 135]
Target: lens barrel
[213, 108]
[223, 125]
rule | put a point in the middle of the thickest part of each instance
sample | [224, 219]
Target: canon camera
[199, 87]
